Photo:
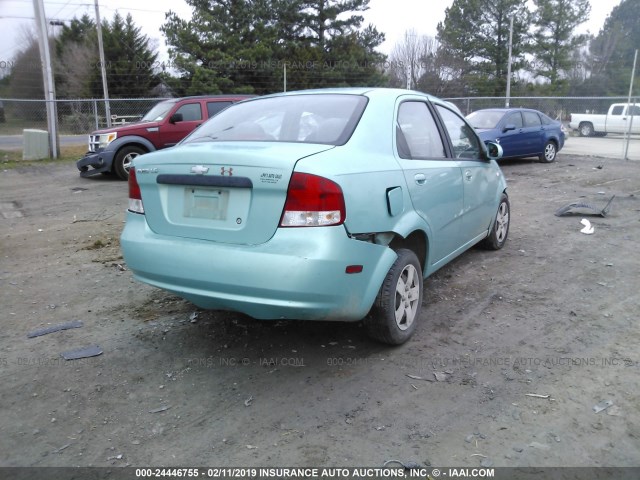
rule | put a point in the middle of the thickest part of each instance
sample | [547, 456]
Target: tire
[394, 315]
[123, 159]
[549, 153]
[586, 129]
[500, 231]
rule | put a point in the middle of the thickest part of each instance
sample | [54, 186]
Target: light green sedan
[316, 205]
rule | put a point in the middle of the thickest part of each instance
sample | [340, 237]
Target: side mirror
[508, 127]
[176, 117]
[494, 150]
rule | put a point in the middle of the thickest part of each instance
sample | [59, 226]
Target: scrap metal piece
[602, 406]
[55, 328]
[90, 351]
[575, 207]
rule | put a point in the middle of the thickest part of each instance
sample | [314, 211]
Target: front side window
[514, 119]
[617, 110]
[417, 134]
[315, 118]
[190, 112]
[464, 140]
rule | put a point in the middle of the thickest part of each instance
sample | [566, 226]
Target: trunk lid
[229, 192]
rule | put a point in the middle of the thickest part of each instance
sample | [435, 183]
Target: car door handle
[420, 178]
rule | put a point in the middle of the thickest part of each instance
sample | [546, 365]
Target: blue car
[521, 132]
[317, 205]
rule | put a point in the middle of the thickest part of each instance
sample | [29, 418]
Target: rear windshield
[318, 118]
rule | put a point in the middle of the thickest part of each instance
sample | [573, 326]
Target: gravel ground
[513, 350]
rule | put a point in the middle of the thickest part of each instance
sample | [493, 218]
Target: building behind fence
[81, 116]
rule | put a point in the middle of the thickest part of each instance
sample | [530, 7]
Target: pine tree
[554, 41]
[612, 51]
[244, 45]
[475, 39]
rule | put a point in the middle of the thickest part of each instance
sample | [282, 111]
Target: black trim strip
[205, 181]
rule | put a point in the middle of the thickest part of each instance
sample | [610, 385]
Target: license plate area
[206, 203]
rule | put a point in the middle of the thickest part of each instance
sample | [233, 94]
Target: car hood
[127, 129]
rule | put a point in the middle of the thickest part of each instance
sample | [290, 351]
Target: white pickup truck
[617, 120]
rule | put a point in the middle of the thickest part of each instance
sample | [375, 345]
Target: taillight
[313, 201]
[135, 197]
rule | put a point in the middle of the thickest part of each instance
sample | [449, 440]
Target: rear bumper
[298, 274]
[95, 162]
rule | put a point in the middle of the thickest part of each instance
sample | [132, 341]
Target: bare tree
[74, 70]
[413, 58]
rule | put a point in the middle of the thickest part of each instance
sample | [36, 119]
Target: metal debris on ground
[440, 376]
[416, 377]
[577, 208]
[64, 447]
[247, 402]
[86, 352]
[602, 406]
[406, 465]
[55, 328]
[536, 395]
[160, 409]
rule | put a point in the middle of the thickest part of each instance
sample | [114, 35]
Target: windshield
[312, 118]
[158, 112]
[485, 118]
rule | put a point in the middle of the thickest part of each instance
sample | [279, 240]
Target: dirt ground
[554, 315]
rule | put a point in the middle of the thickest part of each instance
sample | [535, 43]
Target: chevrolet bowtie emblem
[199, 169]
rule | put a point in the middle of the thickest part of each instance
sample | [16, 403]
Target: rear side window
[531, 119]
[417, 135]
[546, 120]
[634, 110]
[320, 118]
[191, 112]
[216, 107]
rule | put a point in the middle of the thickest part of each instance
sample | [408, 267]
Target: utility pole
[506, 103]
[47, 77]
[107, 107]
[629, 108]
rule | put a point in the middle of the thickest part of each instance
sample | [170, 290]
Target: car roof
[507, 109]
[366, 91]
[208, 97]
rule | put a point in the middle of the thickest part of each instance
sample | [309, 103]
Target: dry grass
[13, 158]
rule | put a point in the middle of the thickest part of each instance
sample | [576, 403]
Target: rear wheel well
[416, 242]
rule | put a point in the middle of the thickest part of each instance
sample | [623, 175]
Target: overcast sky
[392, 17]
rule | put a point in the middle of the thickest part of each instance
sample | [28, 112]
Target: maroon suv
[113, 149]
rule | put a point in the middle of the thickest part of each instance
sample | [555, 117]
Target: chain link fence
[558, 108]
[78, 116]
[81, 116]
